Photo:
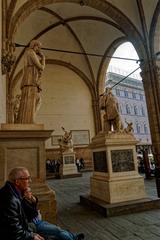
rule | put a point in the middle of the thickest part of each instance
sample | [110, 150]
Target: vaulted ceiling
[81, 33]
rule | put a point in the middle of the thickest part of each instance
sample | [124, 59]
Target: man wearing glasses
[13, 222]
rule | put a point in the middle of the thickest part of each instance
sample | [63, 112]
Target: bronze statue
[109, 104]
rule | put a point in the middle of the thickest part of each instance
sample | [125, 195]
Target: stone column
[97, 116]
[2, 78]
[151, 81]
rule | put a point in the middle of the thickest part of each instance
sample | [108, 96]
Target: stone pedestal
[68, 167]
[115, 186]
[115, 178]
[24, 145]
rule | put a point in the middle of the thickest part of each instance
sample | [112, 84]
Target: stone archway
[105, 62]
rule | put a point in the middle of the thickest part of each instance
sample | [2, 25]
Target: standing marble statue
[111, 117]
[34, 63]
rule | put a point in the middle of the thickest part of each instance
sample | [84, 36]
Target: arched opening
[129, 90]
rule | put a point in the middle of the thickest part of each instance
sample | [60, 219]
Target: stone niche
[24, 145]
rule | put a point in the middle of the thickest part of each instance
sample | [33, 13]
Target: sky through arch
[125, 67]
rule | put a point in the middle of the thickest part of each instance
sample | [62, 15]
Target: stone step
[116, 209]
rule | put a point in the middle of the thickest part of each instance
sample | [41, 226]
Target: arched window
[120, 109]
[145, 129]
[141, 96]
[125, 93]
[117, 92]
[135, 110]
[142, 111]
[128, 110]
[133, 95]
[138, 128]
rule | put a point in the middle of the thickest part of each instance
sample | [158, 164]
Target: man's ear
[16, 182]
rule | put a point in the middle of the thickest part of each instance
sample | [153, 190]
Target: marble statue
[34, 63]
[111, 117]
[66, 143]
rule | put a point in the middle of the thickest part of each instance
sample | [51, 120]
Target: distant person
[57, 164]
[141, 168]
[152, 167]
[48, 164]
[53, 166]
[81, 160]
[78, 164]
[29, 204]
[13, 221]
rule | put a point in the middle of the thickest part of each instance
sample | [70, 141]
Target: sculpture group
[66, 143]
[111, 118]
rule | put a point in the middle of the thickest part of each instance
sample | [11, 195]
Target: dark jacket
[13, 222]
[30, 209]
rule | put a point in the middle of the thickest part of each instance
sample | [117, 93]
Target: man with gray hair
[13, 222]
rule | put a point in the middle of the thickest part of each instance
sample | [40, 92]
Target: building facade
[132, 104]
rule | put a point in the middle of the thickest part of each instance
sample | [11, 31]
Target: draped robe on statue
[30, 86]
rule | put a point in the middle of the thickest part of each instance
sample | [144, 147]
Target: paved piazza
[73, 216]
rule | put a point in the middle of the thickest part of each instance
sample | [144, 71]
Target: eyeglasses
[25, 178]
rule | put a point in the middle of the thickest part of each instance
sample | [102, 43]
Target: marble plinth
[115, 178]
[68, 168]
[116, 209]
[26, 147]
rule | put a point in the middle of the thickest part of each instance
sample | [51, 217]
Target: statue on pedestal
[66, 143]
[34, 63]
[109, 104]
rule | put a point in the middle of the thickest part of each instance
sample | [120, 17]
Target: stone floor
[73, 216]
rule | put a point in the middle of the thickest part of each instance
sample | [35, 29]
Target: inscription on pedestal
[122, 160]
[69, 159]
[100, 161]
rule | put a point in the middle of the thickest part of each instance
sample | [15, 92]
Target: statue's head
[35, 43]
[18, 96]
[108, 90]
